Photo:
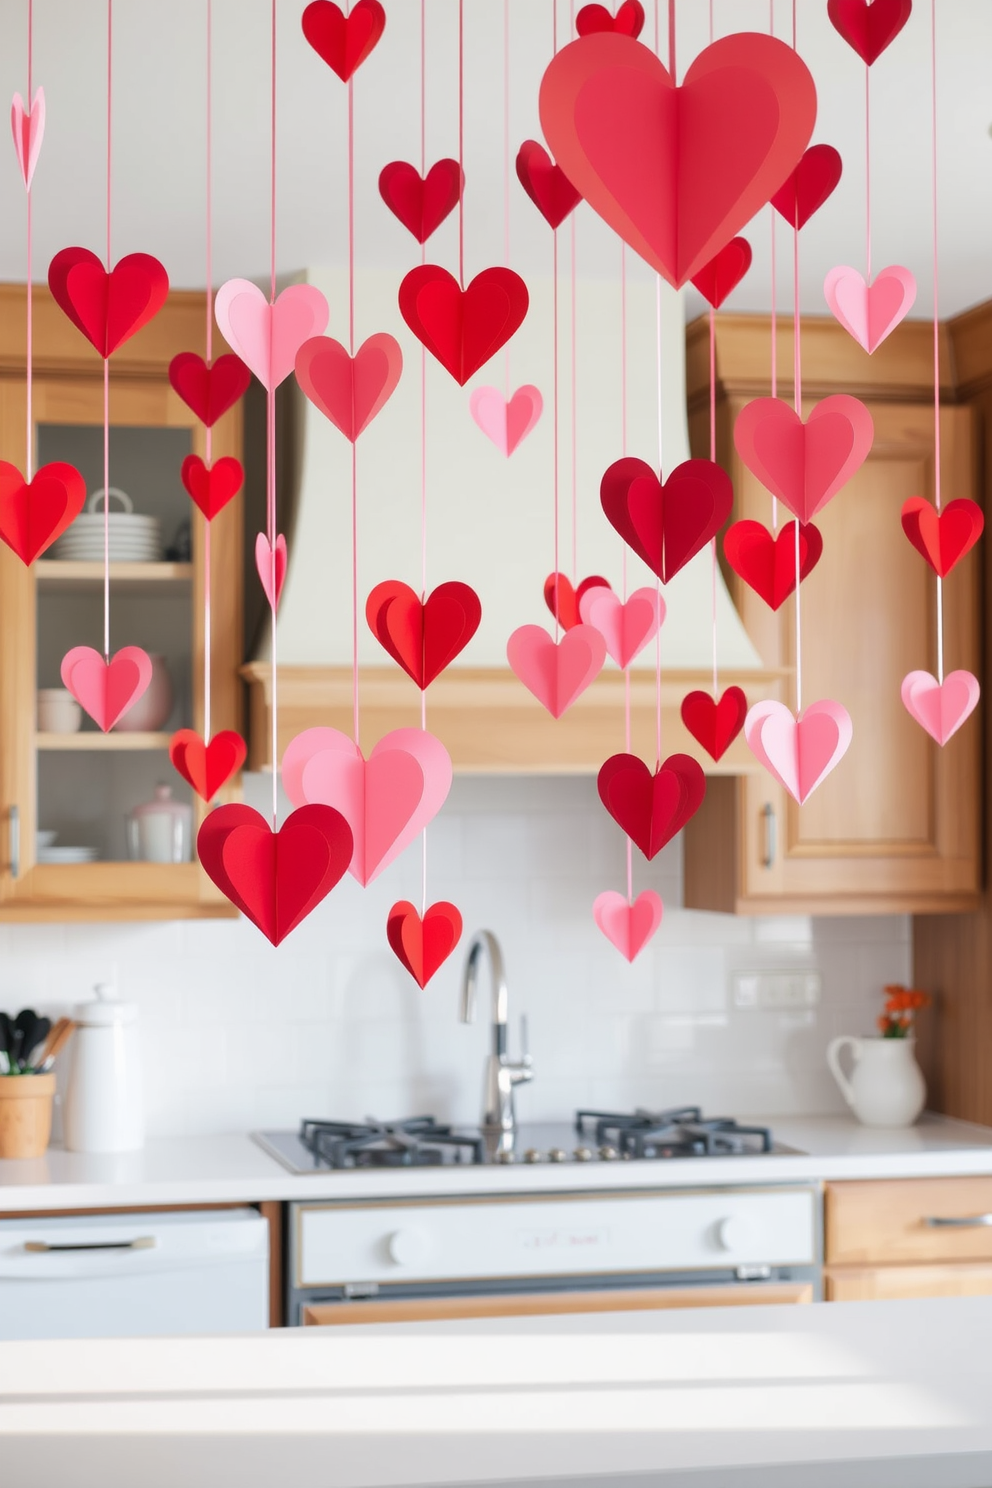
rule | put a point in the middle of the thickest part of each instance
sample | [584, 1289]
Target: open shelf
[57, 577]
[95, 741]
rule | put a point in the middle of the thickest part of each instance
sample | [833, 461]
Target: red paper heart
[423, 945]
[767, 563]
[628, 21]
[33, 515]
[942, 537]
[869, 25]
[348, 390]
[462, 328]
[343, 41]
[423, 638]
[212, 486]
[651, 808]
[421, 202]
[715, 725]
[568, 598]
[275, 878]
[668, 524]
[545, 183]
[718, 278]
[206, 767]
[107, 308]
[209, 389]
[812, 181]
[677, 171]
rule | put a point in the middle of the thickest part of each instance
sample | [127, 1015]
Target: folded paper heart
[940, 707]
[107, 308]
[271, 571]
[668, 524]
[628, 926]
[563, 601]
[421, 203]
[267, 337]
[556, 673]
[651, 808]
[804, 464]
[767, 563]
[207, 766]
[274, 878]
[463, 328]
[545, 183]
[209, 389]
[942, 537]
[869, 312]
[348, 390]
[715, 723]
[212, 486]
[106, 689]
[718, 278]
[423, 638]
[677, 171]
[28, 129]
[799, 752]
[423, 945]
[626, 626]
[343, 41]
[506, 423]
[810, 184]
[33, 514]
[869, 25]
[628, 21]
[387, 800]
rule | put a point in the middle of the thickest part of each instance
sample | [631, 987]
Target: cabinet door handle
[15, 841]
[140, 1242]
[768, 848]
[958, 1222]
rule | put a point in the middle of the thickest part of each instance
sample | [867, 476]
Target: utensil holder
[25, 1114]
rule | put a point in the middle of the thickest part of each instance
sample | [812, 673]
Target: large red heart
[715, 724]
[628, 21]
[206, 767]
[209, 389]
[668, 524]
[563, 600]
[462, 328]
[423, 944]
[942, 537]
[343, 41]
[869, 25]
[545, 183]
[421, 202]
[767, 563]
[275, 878]
[33, 514]
[107, 308]
[804, 464]
[348, 390]
[423, 638]
[212, 486]
[677, 171]
[812, 181]
[718, 278]
[651, 808]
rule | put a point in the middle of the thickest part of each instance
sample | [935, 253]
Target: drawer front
[887, 1283]
[917, 1219]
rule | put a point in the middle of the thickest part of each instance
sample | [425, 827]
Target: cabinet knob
[769, 843]
[407, 1247]
[735, 1232]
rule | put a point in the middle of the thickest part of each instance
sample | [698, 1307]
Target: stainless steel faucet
[501, 1075]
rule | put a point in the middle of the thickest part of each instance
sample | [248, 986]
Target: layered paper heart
[34, 513]
[629, 927]
[211, 487]
[668, 524]
[423, 945]
[768, 563]
[940, 707]
[810, 184]
[348, 390]
[718, 278]
[799, 752]
[506, 422]
[628, 21]
[651, 808]
[556, 672]
[677, 172]
[207, 766]
[715, 722]
[869, 312]
[28, 129]
[942, 537]
[869, 26]
[343, 41]
[209, 388]
[271, 568]
[423, 638]
[804, 464]
[421, 203]
[563, 600]
[625, 625]
[387, 800]
[107, 308]
[462, 328]
[274, 878]
[267, 337]
[545, 183]
[106, 689]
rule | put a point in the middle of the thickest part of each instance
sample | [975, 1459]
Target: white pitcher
[886, 1087]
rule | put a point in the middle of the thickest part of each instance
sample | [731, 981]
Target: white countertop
[847, 1395]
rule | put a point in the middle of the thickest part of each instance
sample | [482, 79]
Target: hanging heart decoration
[506, 423]
[264, 565]
[343, 41]
[423, 638]
[28, 129]
[942, 537]
[629, 927]
[799, 752]
[33, 514]
[421, 203]
[869, 26]
[715, 723]
[106, 689]
[814, 179]
[267, 337]
[462, 328]
[207, 766]
[211, 487]
[556, 672]
[721, 276]
[348, 390]
[563, 600]
[625, 625]
[677, 172]
[423, 945]
[209, 389]
[651, 808]
[628, 21]
[804, 464]
[545, 183]
[107, 308]
[869, 312]
[767, 563]
[940, 707]
[668, 524]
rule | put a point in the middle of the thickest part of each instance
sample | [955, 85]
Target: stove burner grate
[419, 1142]
[682, 1131]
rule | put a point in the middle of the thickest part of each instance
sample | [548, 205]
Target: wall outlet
[777, 989]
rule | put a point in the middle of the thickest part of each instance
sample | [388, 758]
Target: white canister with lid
[103, 1109]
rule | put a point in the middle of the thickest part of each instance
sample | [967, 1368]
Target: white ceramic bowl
[58, 711]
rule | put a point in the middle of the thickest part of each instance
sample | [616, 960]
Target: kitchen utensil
[32, 1050]
[55, 1043]
[161, 831]
[154, 705]
[24, 1039]
[25, 1114]
[58, 711]
[103, 1101]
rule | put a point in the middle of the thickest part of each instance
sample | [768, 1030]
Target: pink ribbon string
[354, 447]
[210, 351]
[29, 460]
[936, 332]
[423, 426]
[867, 173]
[106, 363]
[461, 140]
[270, 481]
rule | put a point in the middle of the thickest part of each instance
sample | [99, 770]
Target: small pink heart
[940, 708]
[267, 337]
[799, 752]
[264, 564]
[628, 926]
[106, 689]
[869, 312]
[625, 627]
[556, 674]
[28, 129]
[507, 424]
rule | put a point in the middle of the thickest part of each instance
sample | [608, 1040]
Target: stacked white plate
[67, 854]
[133, 538]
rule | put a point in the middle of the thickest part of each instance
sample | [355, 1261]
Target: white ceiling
[158, 188]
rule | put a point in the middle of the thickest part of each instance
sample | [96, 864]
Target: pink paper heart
[267, 337]
[804, 464]
[940, 708]
[106, 689]
[626, 628]
[556, 674]
[28, 129]
[387, 800]
[507, 424]
[263, 562]
[628, 926]
[799, 752]
[869, 312]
